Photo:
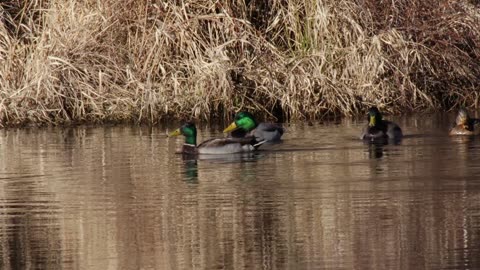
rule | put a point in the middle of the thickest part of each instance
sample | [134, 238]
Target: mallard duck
[245, 124]
[213, 146]
[380, 129]
[464, 125]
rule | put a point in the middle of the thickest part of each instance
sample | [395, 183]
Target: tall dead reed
[64, 61]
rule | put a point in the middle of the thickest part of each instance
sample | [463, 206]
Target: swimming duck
[464, 125]
[380, 129]
[213, 146]
[244, 124]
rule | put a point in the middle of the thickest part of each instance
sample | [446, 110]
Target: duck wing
[268, 131]
[218, 142]
[393, 130]
[229, 145]
[271, 127]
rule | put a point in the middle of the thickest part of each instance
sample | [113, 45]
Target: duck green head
[188, 130]
[243, 120]
[374, 117]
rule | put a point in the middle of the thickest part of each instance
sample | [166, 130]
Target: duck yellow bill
[176, 132]
[232, 127]
[372, 121]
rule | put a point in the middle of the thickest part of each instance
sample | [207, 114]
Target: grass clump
[94, 61]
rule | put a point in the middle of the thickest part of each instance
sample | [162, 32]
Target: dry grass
[68, 61]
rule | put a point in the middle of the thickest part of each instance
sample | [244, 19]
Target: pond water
[120, 198]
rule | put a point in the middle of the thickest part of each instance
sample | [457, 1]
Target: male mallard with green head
[245, 124]
[213, 146]
[380, 129]
[464, 125]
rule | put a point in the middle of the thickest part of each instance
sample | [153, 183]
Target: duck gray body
[269, 132]
[215, 146]
[227, 145]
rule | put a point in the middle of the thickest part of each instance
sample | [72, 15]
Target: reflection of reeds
[65, 60]
[125, 204]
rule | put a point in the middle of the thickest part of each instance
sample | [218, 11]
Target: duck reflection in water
[224, 158]
[190, 162]
[376, 148]
[190, 170]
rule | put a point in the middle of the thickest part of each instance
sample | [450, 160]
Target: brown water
[119, 198]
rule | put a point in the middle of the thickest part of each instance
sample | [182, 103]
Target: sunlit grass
[66, 61]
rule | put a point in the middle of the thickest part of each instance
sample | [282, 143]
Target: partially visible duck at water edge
[464, 125]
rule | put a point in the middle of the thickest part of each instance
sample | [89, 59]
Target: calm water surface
[119, 198]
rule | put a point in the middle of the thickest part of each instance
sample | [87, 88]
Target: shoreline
[213, 121]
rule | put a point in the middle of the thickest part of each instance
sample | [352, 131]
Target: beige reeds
[68, 61]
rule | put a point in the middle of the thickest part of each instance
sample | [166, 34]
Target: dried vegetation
[64, 61]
